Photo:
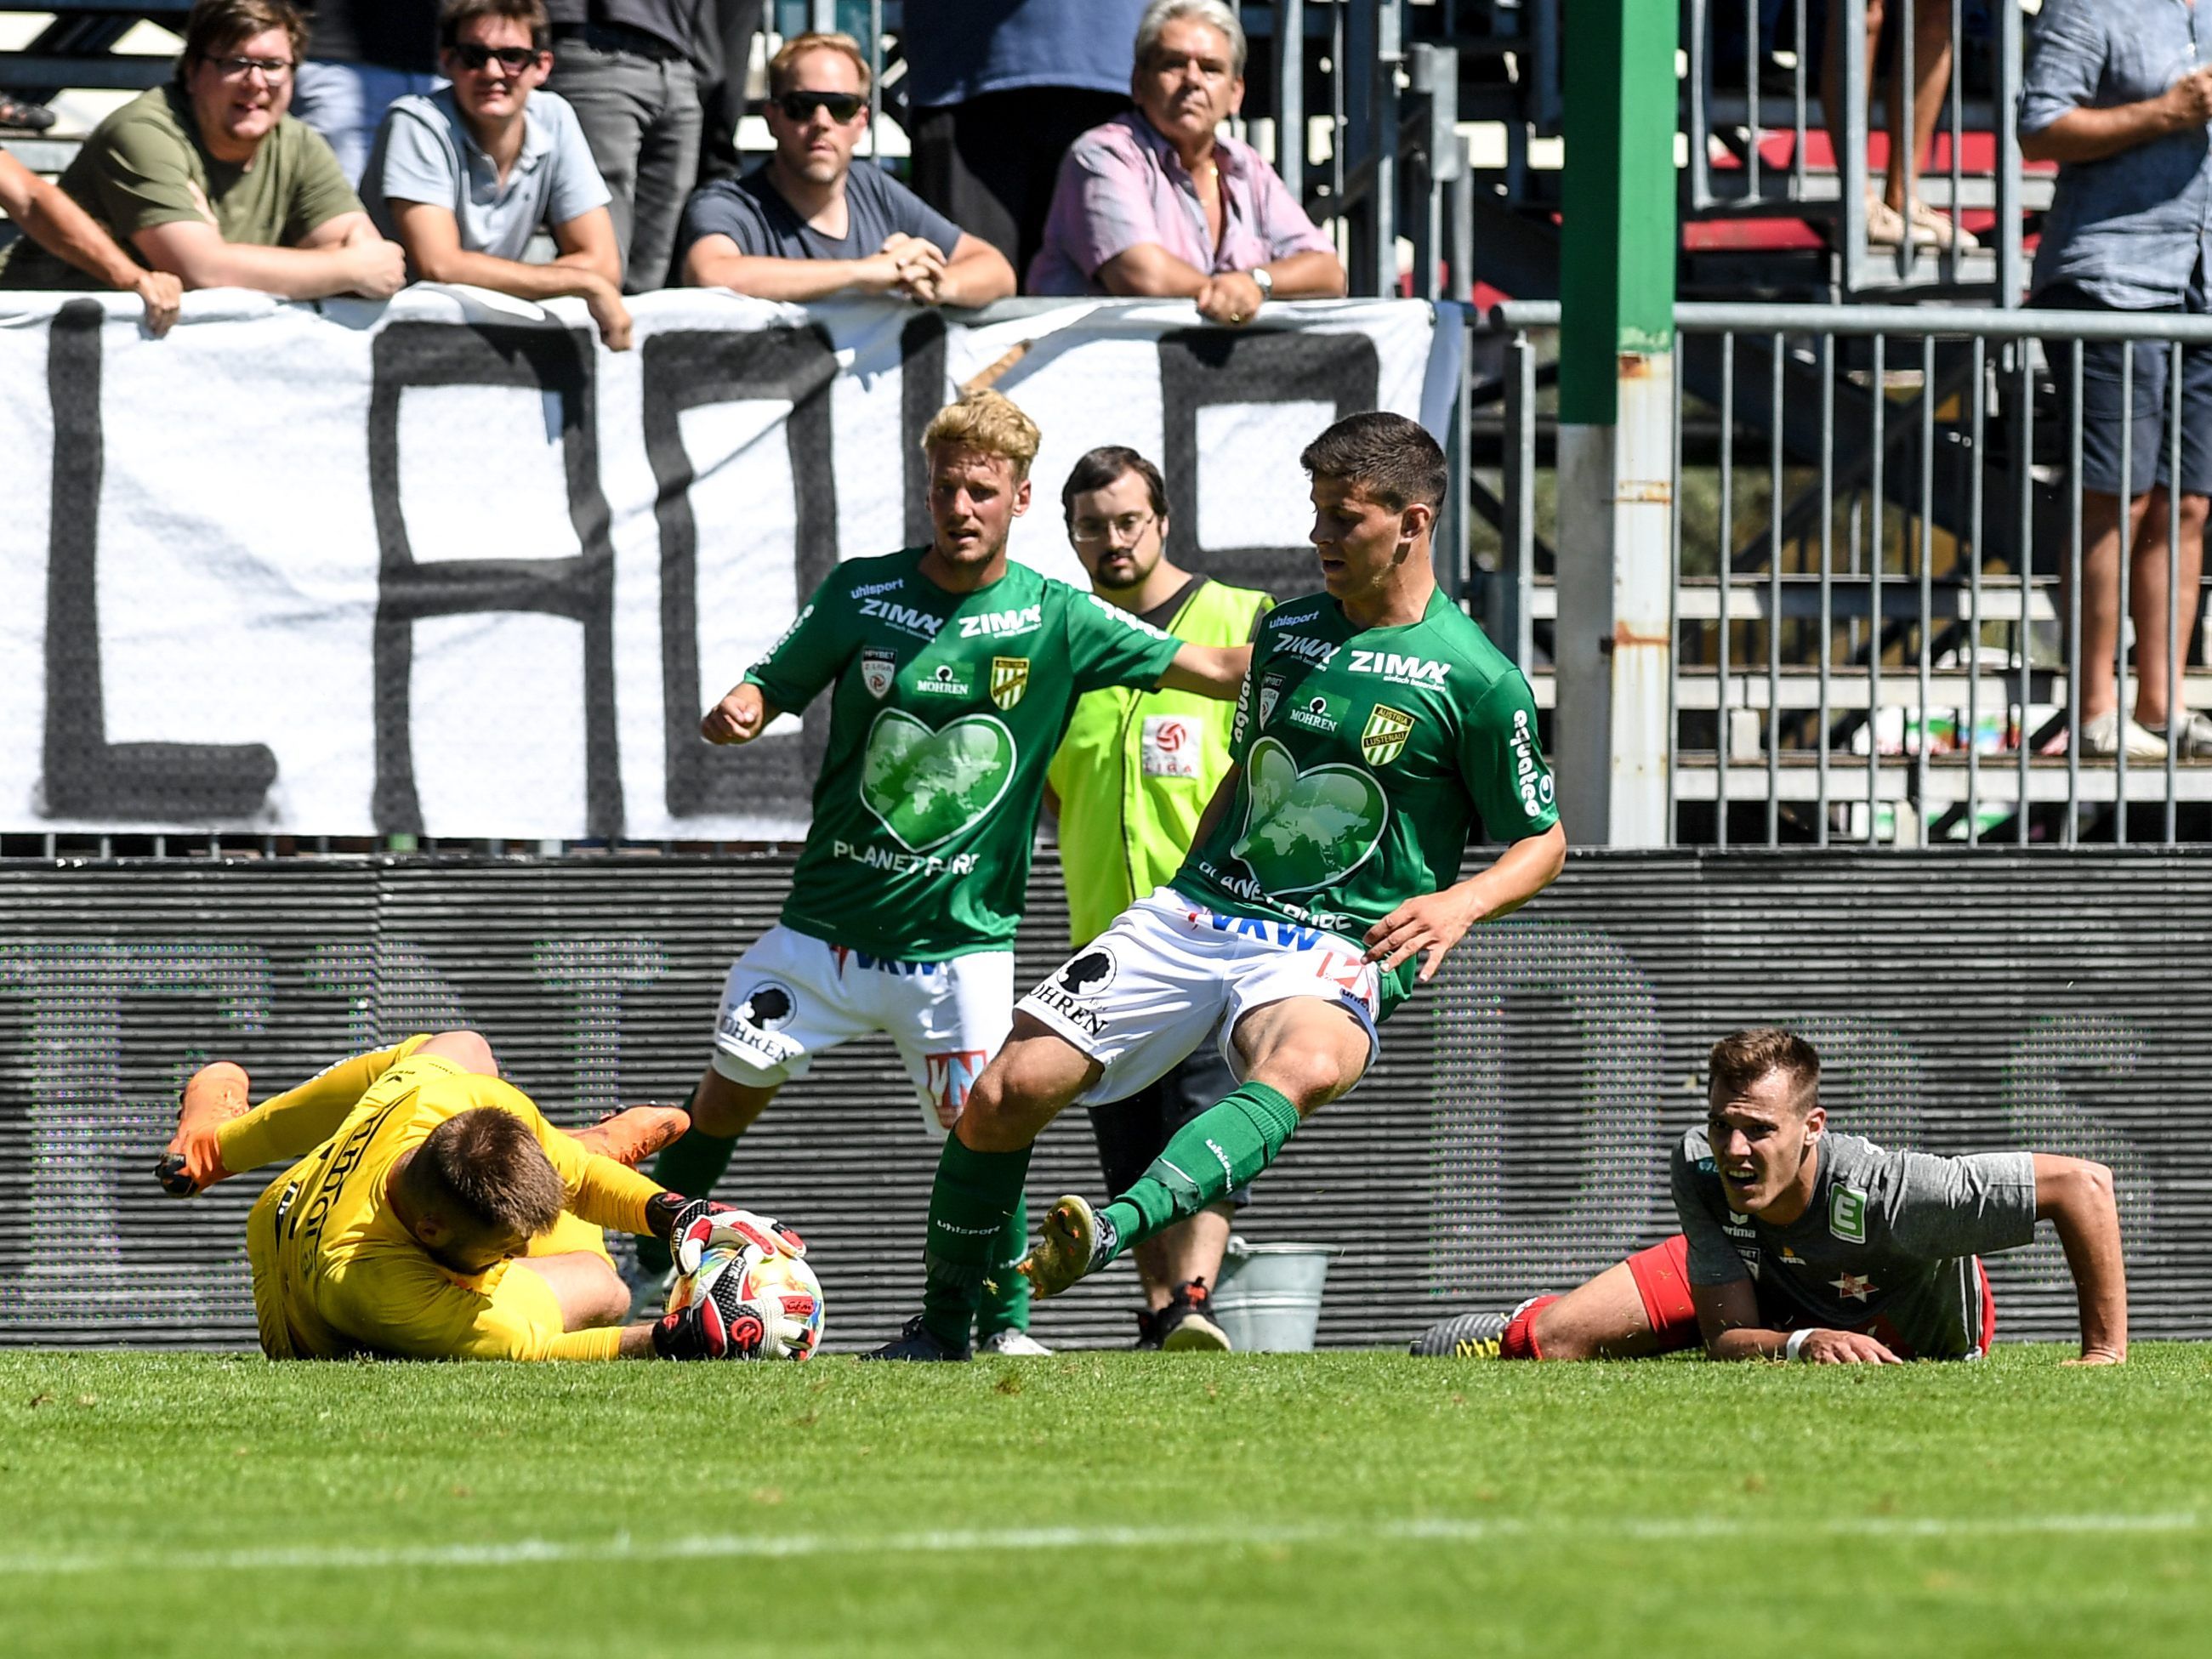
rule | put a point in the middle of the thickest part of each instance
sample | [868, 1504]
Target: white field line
[620, 1547]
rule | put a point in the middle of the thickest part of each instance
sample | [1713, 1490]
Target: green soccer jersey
[1367, 755]
[945, 713]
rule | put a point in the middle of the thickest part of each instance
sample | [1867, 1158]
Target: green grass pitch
[1105, 1503]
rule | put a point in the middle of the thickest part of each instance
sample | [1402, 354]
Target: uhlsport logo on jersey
[878, 670]
[1010, 678]
[1384, 739]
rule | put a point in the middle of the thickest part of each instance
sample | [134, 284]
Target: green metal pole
[1616, 403]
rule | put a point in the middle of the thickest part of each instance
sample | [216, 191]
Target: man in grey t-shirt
[465, 177]
[1800, 1244]
[809, 224]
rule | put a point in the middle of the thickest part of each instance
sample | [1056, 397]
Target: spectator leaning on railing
[2116, 92]
[208, 178]
[1154, 202]
[46, 215]
[464, 178]
[808, 223]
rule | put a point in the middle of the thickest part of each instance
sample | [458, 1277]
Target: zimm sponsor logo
[869, 588]
[1125, 618]
[904, 617]
[1319, 653]
[1406, 671]
[995, 624]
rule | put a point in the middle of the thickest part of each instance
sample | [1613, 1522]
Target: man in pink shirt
[1155, 203]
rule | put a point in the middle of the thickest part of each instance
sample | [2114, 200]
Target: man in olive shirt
[1133, 774]
[208, 178]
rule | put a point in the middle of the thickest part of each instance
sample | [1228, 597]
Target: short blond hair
[779, 67]
[990, 422]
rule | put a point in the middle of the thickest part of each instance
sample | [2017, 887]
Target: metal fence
[1883, 631]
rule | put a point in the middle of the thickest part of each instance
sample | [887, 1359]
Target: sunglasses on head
[513, 59]
[800, 106]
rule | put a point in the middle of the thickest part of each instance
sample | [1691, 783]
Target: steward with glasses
[807, 223]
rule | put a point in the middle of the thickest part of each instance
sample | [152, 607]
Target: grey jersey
[1887, 1246]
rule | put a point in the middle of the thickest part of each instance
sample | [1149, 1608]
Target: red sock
[1519, 1341]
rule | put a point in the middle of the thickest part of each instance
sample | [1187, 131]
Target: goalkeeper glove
[692, 1226]
[721, 1326]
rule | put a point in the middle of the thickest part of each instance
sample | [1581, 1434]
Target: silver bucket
[1268, 1300]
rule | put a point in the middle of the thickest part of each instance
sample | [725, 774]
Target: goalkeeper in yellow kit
[434, 1213]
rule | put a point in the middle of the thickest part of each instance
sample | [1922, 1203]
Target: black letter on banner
[580, 588]
[1204, 368]
[86, 775]
[921, 394]
[688, 370]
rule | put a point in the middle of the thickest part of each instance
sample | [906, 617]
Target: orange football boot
[193, 1161]
[636, 1133]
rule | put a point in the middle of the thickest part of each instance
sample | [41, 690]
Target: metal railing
[1760, 140]
[1881, 618]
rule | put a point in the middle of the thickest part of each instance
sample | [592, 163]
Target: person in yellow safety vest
[1128, 783]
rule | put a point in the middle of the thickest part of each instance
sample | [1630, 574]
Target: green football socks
[1210, 1156]
[1006, 1304]
[975, 1205]
[691, 1167]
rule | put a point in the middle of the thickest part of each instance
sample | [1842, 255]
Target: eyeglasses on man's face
[799, 107]
[273, 69]
[1122, 531]
[513, 59]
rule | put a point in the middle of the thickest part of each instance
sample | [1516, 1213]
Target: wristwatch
[1264, 280]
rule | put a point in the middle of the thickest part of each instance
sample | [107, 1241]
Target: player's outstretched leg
[193, 1161]
[1632, 1309]
[980, 1174]
[1002, 1318]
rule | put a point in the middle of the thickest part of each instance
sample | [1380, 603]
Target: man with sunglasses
[209, 177]
[808, 223]
[464, 178]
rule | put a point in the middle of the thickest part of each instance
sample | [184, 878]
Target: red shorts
[1662, 1279]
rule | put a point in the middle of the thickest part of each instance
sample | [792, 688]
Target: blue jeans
[345, 102]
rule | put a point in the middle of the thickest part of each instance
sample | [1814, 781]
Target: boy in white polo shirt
[464, 176]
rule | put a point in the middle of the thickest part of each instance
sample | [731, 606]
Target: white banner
[446, 567]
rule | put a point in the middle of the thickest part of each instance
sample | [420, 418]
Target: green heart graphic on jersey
[1306, 830]
[928, 787]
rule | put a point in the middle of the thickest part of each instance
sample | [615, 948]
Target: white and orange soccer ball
[760, 1274]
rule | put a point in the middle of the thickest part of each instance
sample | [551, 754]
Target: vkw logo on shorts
[952, 1073]
[1010, 678]
[1384, 739]
[878, 670]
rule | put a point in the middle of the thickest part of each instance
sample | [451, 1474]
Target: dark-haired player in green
[951, 673]
[1377, 726]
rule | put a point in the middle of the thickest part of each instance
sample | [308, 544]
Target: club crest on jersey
[1271, 693]
[1010, 678]
[1384, 739]
[878, 670]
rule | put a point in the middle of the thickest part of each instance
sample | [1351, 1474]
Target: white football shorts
[791, 996]
[1170, 973]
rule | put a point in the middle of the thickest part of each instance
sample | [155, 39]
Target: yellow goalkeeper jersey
[335, 1273]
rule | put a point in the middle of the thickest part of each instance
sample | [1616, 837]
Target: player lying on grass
[1800, 1244]
[434, 1213]
[1375, 723]
[950, 672]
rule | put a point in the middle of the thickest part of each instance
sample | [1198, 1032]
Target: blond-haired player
[434, 1213]
[951, 673]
